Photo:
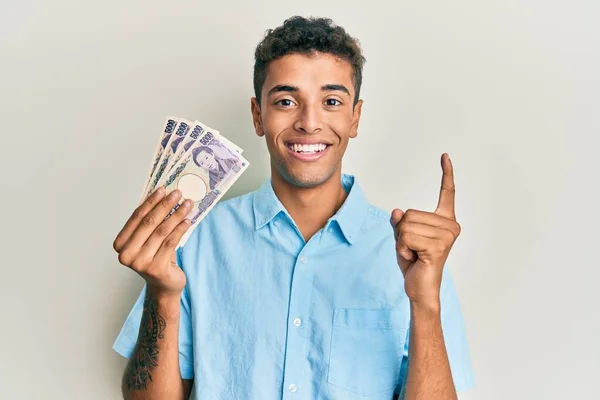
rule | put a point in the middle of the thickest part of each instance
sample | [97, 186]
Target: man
[301, 289]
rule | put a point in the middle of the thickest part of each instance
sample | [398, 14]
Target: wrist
[162, 294]
[166, 303]
[428, 310]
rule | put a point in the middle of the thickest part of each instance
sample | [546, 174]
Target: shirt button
[276, 223]
[303, 259]
[293, 388]
[330, 230]
[297, 322]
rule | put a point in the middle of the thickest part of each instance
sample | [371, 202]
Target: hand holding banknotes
[193, 166]
[148, 241]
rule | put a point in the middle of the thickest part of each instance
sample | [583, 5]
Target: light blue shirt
[266, 315]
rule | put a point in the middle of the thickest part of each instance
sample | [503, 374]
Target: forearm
[428, 376]
[153, 369]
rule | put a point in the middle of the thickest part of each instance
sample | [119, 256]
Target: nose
[309, 120]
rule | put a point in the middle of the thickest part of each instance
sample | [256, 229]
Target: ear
[356, 119]
[256, 117]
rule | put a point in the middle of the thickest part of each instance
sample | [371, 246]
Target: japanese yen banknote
[197, 160]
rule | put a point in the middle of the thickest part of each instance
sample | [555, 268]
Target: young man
[301, 289]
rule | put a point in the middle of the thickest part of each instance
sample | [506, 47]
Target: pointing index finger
[445, 205]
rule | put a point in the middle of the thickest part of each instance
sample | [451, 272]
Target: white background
[511, 89]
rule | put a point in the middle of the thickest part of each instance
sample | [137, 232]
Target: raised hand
[424, 240]
[147, 242]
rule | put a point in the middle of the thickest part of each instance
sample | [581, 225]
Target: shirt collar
[266, 205]
[349, 217]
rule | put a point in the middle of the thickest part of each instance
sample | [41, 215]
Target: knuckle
[125, 258]
[166, 202]
[162, 230]
[153, 199]
[117, 243]
[138, 213]
[136, 265]
[139, 264]
[403, 226]
[148, 220]
[441, 247]
[402, 247]
[183, 226]
[402, 239]
[171, 242]
[452, 237]
[458, 229]
[182, 210]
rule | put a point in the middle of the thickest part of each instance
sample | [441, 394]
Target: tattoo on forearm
[145, 357]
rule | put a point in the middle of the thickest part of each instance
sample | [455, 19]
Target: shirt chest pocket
[366, 350]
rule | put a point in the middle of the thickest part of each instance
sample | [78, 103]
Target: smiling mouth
[307, 148]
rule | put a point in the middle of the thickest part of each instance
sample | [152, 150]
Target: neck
[310, 208]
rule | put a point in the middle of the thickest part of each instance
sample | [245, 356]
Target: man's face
[307, 116]
[206, 160]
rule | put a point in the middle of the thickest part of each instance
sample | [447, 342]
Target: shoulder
[377, 222]
[371, 219]
[378, 215]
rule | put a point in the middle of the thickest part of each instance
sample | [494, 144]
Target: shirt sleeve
[455, 338]
[127, 337]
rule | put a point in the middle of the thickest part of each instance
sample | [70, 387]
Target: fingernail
[174, 193]
[159, 191]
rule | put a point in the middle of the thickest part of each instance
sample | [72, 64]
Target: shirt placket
[296, 379]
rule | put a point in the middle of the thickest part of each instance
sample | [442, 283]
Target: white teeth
[307, 148]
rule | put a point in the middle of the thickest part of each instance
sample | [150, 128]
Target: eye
[285, 102]
[331, 102]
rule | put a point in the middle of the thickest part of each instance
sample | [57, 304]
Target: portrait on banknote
[216, 159]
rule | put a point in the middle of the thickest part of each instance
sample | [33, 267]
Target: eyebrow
[335, 87]
[325, 88]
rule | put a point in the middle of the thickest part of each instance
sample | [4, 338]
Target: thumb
[397, 215]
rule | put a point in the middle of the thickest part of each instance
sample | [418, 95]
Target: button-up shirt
[268, 315]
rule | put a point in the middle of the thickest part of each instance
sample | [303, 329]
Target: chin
[308, 178]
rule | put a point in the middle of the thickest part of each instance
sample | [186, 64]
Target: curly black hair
[305, 36]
